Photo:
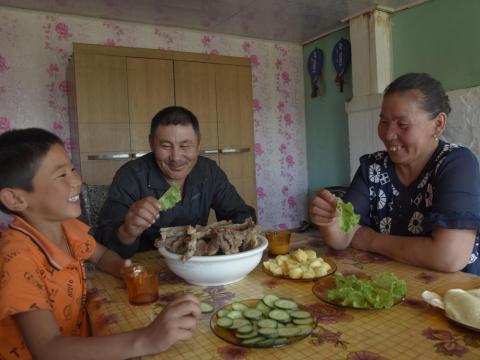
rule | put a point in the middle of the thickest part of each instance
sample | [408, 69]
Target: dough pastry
[463, 306]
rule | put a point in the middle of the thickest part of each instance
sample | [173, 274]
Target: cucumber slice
[268, 332]
[268, 323]
[239, 306]
[222, 313]
[237, 323]
[305, 329]
[266, 342]
[224, 322]
[280, 341]
[247, 329]
[262, 307]
[300, 314]
[279, 315]
[206, 308]
[247, 336]
[269, 300]
[253, 340]
[289, 331]
[285, 304]
[252, 314]
[303, 321]
[234, 314]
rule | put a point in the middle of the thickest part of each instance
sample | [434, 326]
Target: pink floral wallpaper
[34, 52]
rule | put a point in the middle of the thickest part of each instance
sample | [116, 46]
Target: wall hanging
[315, 64]
[341, 59]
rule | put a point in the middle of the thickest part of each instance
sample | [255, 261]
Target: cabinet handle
[209, 151]
[117, 156]
[234, 150]
[138, 154]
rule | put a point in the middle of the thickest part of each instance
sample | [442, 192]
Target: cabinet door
[150, 89]
[195, 90]
[102, 103]
[235, 128]
[102, 112]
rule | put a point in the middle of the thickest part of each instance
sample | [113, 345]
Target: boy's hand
[323, 210]
[125, 265]
[176, 322]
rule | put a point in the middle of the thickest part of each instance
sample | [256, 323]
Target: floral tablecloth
[410, 330]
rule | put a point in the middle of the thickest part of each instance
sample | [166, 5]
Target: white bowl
[215, 270]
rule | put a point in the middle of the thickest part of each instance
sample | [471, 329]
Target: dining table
[411, 329]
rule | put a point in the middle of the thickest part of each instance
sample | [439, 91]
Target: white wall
[463, 125]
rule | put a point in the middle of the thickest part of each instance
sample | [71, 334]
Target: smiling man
[132, 216]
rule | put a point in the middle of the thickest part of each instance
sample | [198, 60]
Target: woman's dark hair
[434, 99]
[21, 152]
[174, 115]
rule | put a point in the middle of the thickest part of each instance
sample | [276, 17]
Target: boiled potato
[316, 263]
[319, 271]
[308, 274]
[301, 264]
[311, 254]
[295, 273]
[300, 255]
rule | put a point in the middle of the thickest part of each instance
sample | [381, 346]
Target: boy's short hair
[21, 152]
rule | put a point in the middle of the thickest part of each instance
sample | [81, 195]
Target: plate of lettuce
[379, 291]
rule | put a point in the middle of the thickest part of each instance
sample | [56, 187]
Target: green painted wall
[326, 120]
[441, 37]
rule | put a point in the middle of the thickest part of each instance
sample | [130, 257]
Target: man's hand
[141, 215]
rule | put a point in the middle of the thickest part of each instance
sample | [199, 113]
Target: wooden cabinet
[150, 89]
[116, 92]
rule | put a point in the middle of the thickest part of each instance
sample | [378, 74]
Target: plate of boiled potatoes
[302, 264]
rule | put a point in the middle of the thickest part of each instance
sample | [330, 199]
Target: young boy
[42, 277]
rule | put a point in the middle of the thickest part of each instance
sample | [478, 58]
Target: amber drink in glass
[278, 241]
[142, 284]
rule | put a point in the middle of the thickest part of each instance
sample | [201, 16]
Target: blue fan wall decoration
[341, 56]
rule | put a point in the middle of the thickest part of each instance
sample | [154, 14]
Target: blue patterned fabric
[446, 194]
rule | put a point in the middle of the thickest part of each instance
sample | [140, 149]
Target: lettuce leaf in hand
[172, 196]
[382, 290]
[347, 218]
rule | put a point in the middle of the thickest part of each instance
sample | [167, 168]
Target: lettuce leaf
[382, 290]
[347, 218]
[172, 196]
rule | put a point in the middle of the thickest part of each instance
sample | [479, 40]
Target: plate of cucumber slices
[268, 322]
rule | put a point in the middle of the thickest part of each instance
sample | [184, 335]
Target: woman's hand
[363, 238]
[323, 210]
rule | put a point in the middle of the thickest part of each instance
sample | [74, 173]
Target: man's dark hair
[434, 99]
[174, 115]
[21, 152]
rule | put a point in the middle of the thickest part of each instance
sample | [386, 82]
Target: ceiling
[296, 21]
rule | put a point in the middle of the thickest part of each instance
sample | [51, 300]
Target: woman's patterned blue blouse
[446, 194]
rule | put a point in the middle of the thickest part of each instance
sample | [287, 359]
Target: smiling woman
[419, 200]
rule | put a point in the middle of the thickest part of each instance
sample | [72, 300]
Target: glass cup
[278, 241]
[142, 284]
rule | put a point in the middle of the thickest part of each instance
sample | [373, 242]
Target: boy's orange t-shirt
[35, 274]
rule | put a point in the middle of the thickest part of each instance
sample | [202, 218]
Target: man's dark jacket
[205, 187]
